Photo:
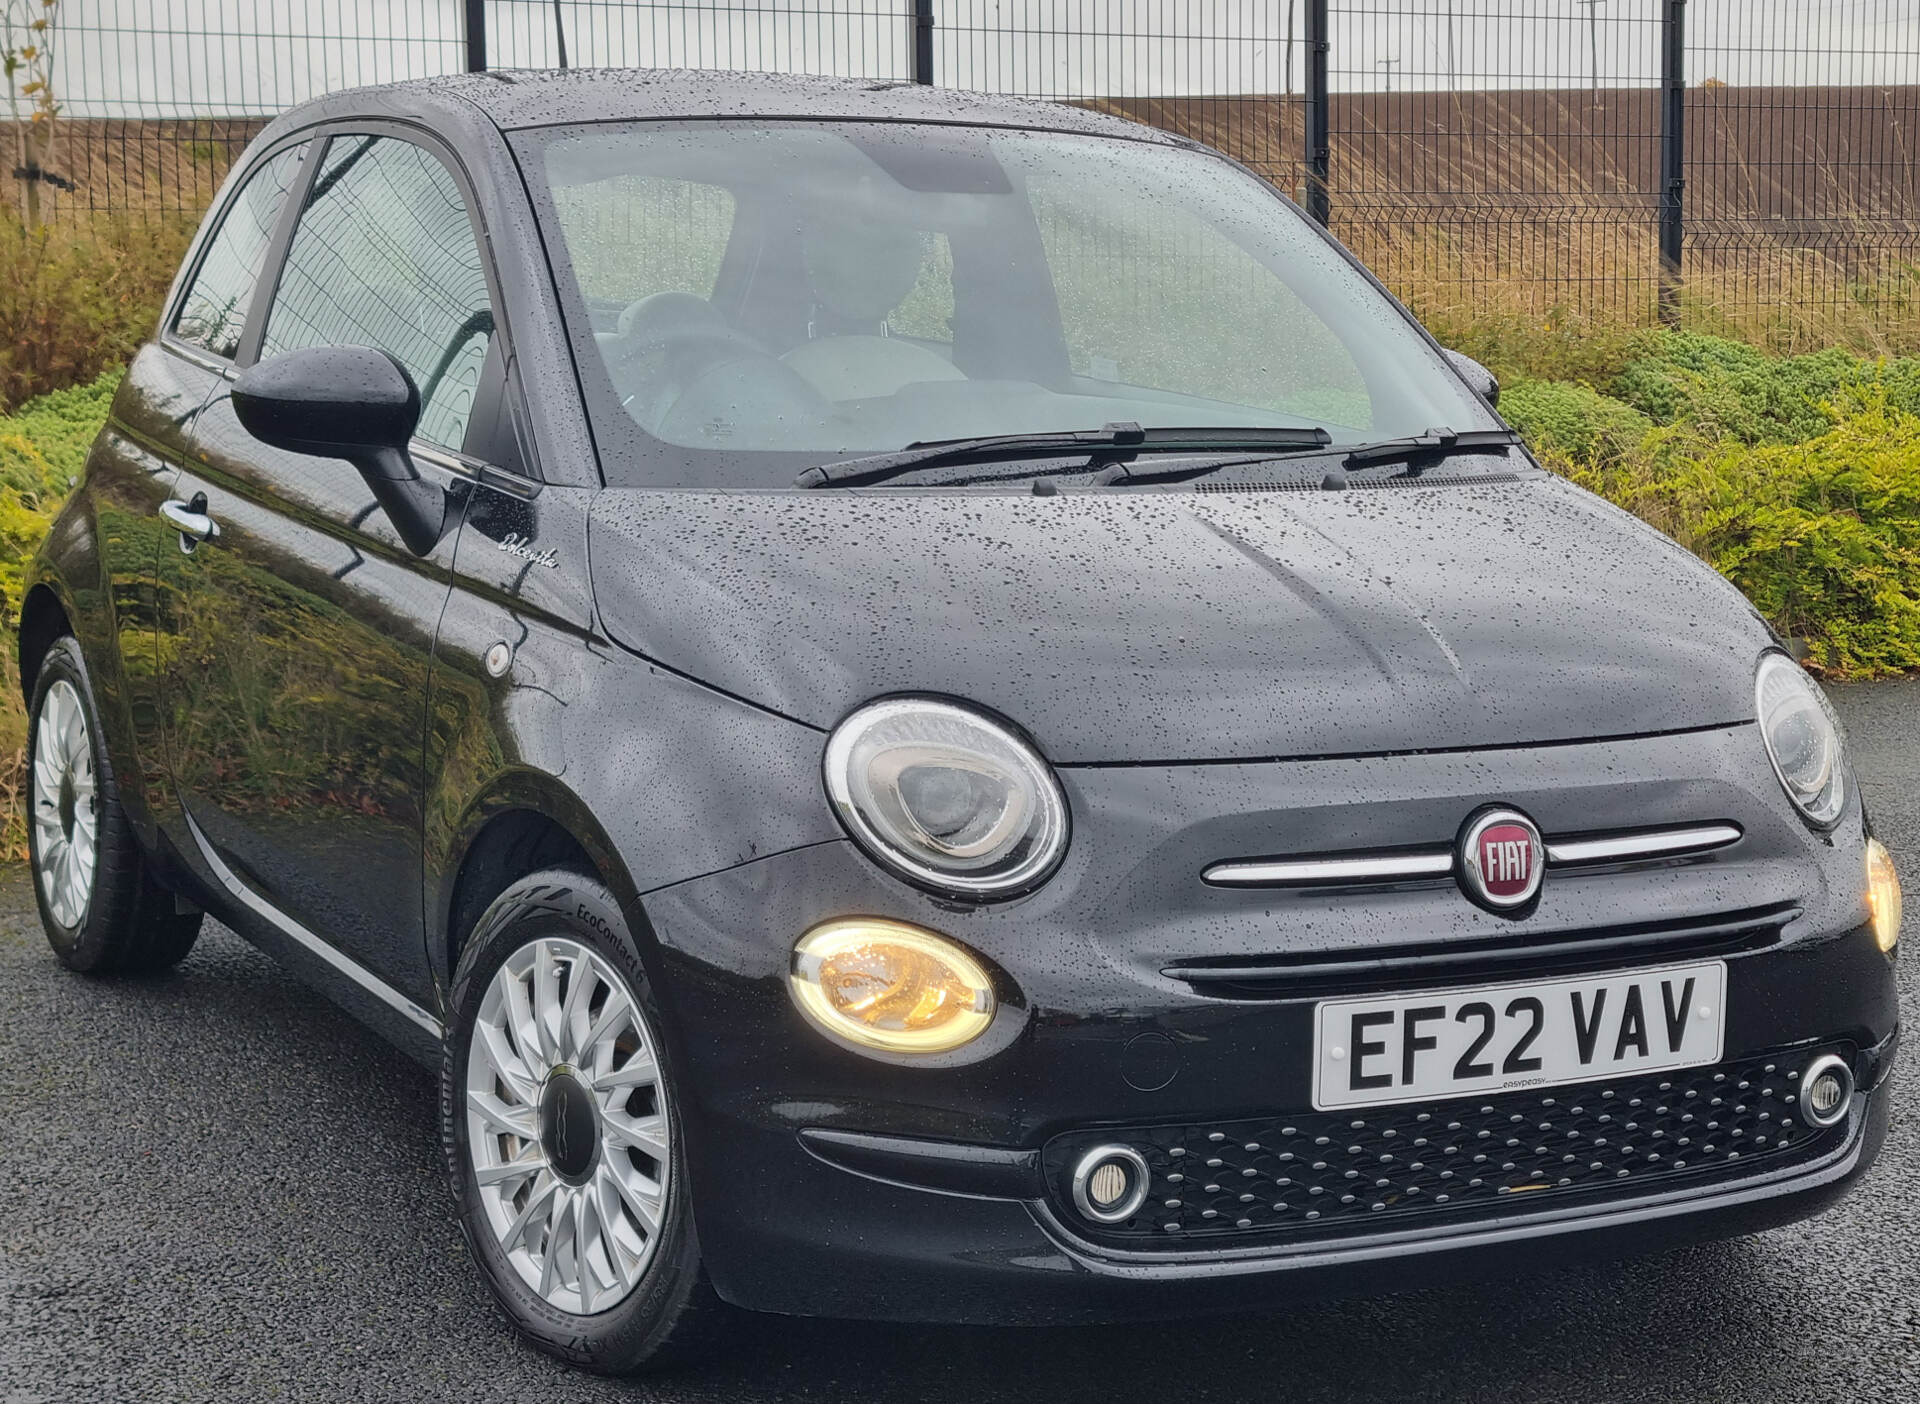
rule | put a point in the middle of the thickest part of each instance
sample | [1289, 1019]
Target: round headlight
[946, 798]
[1802, 737]
[884, 984]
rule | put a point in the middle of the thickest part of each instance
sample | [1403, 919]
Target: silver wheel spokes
[64, 806]
[557, 1010]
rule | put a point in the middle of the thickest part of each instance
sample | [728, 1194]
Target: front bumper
[841, 1244]
[833, 1182]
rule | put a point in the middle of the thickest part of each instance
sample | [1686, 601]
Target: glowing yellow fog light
[1883, 895]
[888, 985]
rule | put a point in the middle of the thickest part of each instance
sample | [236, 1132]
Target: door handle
[190, 520]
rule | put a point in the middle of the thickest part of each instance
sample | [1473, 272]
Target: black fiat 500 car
[934, 708]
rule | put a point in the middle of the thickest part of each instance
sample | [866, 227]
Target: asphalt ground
[215, 1186]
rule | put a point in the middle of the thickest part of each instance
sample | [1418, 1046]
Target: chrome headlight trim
[1783, 694]
[1001, 853]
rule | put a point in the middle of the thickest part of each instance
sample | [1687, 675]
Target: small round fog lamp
[884, 984]
[1883, 896]
[1825, 1089]
[1110, 1184]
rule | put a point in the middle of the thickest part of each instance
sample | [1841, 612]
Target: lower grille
[1323, 1174]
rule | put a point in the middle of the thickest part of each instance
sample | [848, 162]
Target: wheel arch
[524, 823]
[43, 618]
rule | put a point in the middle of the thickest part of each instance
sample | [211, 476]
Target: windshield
[748, 298]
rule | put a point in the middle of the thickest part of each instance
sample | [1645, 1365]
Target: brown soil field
[1781, 155]
[1529, 201]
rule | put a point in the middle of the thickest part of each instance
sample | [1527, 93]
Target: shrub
[1727, 390]
[1573, 422]
[75, 302]
[43, 447]
[1822, 535]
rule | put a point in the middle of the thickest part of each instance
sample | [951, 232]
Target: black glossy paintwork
[298, 645]
[1084, 955]
[872, 1247]
[1137, 625]
[661, 777]
[329, 400]
[108, 545]
[672, 660]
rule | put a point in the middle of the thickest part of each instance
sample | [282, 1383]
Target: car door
[302, 630]
[138, 456]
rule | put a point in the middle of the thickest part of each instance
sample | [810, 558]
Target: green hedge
[1797, 477]
[1730, 390]
[1574, 421]
[43, 448]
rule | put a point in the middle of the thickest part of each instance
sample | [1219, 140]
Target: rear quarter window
[215, 308]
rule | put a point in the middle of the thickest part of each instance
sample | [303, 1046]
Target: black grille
[1320, 1174]
[1378, 968]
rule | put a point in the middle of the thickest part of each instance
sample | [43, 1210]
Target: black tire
[672, 1315]
[129, 925]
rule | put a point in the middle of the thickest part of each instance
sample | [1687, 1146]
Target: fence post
[476, 26]
[923, 41]
[1318, 148]
[1673, 151]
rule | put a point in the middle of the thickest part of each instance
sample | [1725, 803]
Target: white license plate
[1542, 1033]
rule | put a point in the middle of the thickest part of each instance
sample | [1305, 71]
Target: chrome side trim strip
[1658, 844]
[299, 934]
[206, 360]
[1437, 862]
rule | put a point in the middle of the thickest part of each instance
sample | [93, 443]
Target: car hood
[1190, 625]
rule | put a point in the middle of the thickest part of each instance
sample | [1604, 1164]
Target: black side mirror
[1476, 375]
[350, 402]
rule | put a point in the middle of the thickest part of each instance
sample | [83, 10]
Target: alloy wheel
[64, 805]
[568, 1134]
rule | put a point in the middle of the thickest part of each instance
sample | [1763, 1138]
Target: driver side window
[385, 256]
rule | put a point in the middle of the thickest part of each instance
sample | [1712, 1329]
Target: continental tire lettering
[593, 919]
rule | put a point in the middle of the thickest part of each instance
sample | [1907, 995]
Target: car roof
[517, 98]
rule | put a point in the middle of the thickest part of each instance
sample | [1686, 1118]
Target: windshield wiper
[1359, 456]
[1111, 443]
[1436, 442]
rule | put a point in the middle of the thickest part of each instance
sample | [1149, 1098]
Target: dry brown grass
[1466, 286]
[1493, 213]
[138, 168]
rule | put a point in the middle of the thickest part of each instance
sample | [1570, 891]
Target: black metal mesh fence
[159, 96]
[1222, 72]
[1803, 141]
[1490, 152]
[1481, 154]
[851, 38]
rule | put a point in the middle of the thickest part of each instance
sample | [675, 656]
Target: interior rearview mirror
[351, 402]
[1478, 376]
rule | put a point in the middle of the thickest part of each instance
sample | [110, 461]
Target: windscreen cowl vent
[1399, 480]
